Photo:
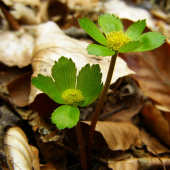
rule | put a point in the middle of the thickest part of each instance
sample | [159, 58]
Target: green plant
[116, 40]
[113, 41]
[64, 87]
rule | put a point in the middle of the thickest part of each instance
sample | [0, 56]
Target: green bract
[116, 39]
[64, 87]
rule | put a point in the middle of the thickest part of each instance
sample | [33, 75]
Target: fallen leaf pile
[133, 128]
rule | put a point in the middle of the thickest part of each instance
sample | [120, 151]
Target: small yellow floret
[72, 97]
[116, 40]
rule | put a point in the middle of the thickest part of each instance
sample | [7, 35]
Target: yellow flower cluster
[72, 97]
[116, 40]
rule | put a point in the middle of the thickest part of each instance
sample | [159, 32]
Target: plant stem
[100, 105]
[81, 146]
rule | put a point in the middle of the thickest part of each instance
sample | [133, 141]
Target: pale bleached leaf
[19, 153]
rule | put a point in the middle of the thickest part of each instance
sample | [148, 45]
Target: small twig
[113, 112]
[11, 21]
[81, 146]
[159, 159]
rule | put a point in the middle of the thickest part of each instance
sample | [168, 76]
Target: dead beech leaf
[118, 135]
[152, 72]
[140, 163]
[124, 105]
[153, 143]
[18, 151]
[47, 167]
[16, 51]
[19, 89]
[52, 43]
[156, 122]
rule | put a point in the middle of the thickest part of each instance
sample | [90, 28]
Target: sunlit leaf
[64, 74]
[65, 116]
[109, 23]
[151, 41]
[99, 50]
[89, 83]
[92, 30]
[48, 86]
[136, 29]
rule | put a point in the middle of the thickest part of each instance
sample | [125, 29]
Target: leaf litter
[137, 130]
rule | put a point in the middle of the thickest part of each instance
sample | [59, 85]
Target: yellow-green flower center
[116, 40]
[72, 97]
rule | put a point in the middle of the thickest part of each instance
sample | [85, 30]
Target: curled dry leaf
[152, 72]
[118, 135]
[156, 122]
[19, 154]
[19, 89]
[47, 167]
[153, 143]
[16, 51]
[140, 163]
[52, 43]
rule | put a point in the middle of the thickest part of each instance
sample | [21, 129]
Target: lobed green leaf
[109, 23]
[65, 116]
[48, 86]
[93, 30]
[99, 50]
[89, 83]
[64, 74]
[131, 46]
[136, 29]
[151, 41]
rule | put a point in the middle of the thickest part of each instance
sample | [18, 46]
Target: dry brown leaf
[52, 43]
[152, 72]
[19, 89]
[118, 135]
[123, 103]
[156, 122]
[8, 74]
[164, 28]
[47, 167]
[53, 153]
[153, 143]
[140, 163]
[57, 11]
[18, 151]
[16, 51]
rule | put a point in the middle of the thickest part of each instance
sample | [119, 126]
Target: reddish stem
[81, 146]
[100, 105]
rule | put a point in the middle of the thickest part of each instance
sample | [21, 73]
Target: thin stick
[100, 105]
[159, 158]
[81, 146]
